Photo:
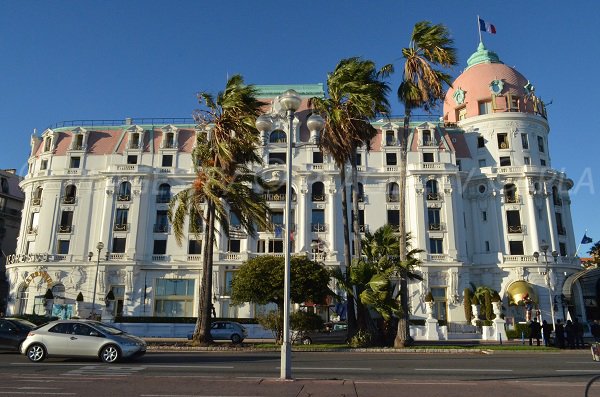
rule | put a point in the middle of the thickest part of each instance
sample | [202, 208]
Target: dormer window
[427, 141]
[169, 140]
[278, 136]
[134, 142]
[77, 142]
[390, 138]
[47, 144]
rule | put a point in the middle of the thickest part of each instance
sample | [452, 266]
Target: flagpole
[579, 246]
[479, 29]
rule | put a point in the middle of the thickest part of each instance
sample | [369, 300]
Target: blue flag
[586, 239]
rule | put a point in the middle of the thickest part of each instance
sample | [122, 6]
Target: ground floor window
[174, 298]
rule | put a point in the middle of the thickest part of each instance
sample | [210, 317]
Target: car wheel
[306, 340]
[110, 354]
[36, 353]
[235, 338]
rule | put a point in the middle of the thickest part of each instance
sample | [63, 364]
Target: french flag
[486, 27]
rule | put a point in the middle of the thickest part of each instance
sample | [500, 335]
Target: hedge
[177, 320]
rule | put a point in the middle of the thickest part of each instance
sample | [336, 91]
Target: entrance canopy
[521, 291]
[588, 276]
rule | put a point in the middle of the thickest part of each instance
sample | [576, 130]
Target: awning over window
[567, 288]
[520, 291]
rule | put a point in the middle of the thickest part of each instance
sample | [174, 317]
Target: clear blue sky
[66, 60]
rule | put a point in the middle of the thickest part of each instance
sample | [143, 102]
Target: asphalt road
[241, 373]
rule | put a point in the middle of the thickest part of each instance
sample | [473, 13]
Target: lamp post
[290, 101]
[99, 247]
[544, 248]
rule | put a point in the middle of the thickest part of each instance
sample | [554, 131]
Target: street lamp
[544, 248]
[99, 247]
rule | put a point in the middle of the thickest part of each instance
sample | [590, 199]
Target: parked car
[13, 332]
[227, 330]
[331, 333]
[81, 338]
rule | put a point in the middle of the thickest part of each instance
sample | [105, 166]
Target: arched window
[124, 191]
[510, 193]
[318, 191]
[432, 190]
[278, 136]
[164, 193]
[70, 194]
[393, 192]
[555, 196]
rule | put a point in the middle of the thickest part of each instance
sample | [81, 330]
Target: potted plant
[497, 304]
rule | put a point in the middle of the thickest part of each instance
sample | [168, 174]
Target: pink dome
[487, 86]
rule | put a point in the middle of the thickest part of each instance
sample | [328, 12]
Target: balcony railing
[318, 256]
[121, 227]
[318, 197]
[163, 198]
[161, 228]
[433, 196]
[436, 227]
[363, 228]
[32, 230]
[68, 200]
[160, 258]
[77, 147]
[36, 201]
[65, 228]
[194, 258]
[124, 197]
[318, 227]
[277, 196]
[395, 227]
[392, 198]
[437, 257]
[512, 199]
[561, 230]
[515, 228]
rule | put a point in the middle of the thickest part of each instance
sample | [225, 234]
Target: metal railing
[127, 121]
[318, 227]
[392, 198]
[515, 228]
[121, 227]
[68, 200]
[161, 228]
[65, 228]
[123, 197]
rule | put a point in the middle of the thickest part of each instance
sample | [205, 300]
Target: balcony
[429, 143]
[318, 227]
[277, 196]
[363, 228]
[160, 258]
[65, 228]
[194, 258]
[318, 197]
[77, 147]
[68, 200]
[318, 256]
[32, 230]
[511, 199]
[161, 228]
[36, 201]
[121, 227]
[437, 257]
[395, 227]
[392, 198]
[124, 197]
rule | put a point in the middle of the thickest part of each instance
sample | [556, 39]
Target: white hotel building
[482, 197]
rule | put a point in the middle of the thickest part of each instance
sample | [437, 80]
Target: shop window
[174, 298]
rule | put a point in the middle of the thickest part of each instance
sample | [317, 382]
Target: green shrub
[487, 304]
[303, 321]
[467, 304]
[474, 300]
[362, 339]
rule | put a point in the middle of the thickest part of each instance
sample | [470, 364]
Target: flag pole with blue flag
[585, 240]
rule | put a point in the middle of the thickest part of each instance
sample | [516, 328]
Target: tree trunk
[347, 255]
[362, 317]
[403, 335]
[202, 334]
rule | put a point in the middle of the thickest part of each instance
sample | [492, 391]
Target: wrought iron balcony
[318, 197]
[121, 227]
[65, 228]
[277, 196]
[392, 198]
[436, 227]
[161, 228]
[36, 201]
[124, 197]
[433, 196]
[32, 230]
[515, 228]
[318, 227]
[68, 200]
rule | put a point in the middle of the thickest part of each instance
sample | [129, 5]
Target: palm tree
[422, 86]
[356, 95]
[223, 181]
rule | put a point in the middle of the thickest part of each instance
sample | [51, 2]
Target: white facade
[478, 221]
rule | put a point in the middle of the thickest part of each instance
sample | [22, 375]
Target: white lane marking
[418, 383]
[190, 366]
[464, 369]
[30, 393]
[578, 370]
[189, 395]
[104, 370]
[329, 369]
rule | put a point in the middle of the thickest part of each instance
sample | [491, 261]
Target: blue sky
[67, 60]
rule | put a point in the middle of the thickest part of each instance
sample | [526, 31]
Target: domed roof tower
[489, 86]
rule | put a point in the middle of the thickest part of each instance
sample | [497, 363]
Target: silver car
[81, 338]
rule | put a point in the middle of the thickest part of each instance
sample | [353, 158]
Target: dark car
[332, 333]
[13, 332]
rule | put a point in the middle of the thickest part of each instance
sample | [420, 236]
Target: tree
[356, 95]
[224, 181]
[260, 280]
[422, 86]
[595, 253]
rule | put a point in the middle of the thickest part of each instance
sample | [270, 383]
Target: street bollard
[522, 337]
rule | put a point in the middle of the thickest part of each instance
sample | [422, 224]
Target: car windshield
[109, 329]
